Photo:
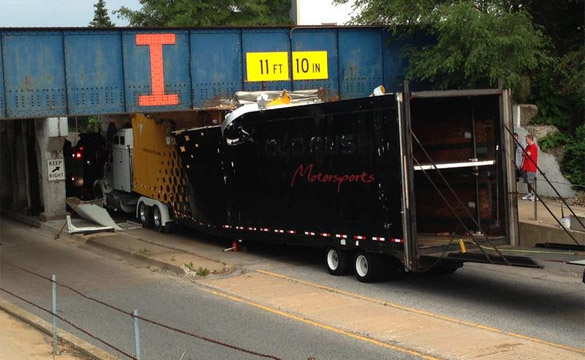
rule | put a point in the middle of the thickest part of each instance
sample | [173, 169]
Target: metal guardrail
[133, 314]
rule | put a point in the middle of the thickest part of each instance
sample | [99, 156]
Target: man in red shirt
[530, 156]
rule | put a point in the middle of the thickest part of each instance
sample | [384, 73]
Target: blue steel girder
[82, 71]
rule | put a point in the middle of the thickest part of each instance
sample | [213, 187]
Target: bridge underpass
[47, 75]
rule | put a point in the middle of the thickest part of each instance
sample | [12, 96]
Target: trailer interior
[459, 178]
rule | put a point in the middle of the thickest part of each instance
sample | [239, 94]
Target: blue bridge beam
[68, 72]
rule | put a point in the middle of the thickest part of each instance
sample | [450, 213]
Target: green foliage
[536, 47]
[559, 91]
[93, 124]
[101, 18]
[475, 42]
[476, 48]
[202, 272]
[208, 13]
[573, 163]
[553, 140]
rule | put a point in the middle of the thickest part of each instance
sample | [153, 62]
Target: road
[162, 297]
[549, 306]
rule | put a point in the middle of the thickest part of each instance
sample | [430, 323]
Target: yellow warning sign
[267, 66]
[309, 65]
[274, 66]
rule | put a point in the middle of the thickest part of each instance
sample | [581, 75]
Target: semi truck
[408, 181]
[144, 176]
[411, 180]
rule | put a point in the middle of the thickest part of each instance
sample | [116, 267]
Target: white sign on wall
[55, 170]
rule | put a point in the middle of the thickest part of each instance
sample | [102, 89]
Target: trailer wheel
[337, 261]
[365, 266]
[157, 222]
[144, 215]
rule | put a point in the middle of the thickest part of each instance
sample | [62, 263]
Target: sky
[320, 12]
[78, 13]
[57, 13]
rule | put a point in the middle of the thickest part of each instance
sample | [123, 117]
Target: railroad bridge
[65, 72]
[49, 74]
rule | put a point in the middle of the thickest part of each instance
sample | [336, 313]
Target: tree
[470, 43]
[208, 13]
[536, 46]
[101, 18]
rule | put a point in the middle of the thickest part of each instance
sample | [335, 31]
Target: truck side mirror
[235, 135]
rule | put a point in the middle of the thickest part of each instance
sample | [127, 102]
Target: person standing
[530, 156]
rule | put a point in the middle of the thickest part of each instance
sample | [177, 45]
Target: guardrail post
[535, 202]
[136, 334]
[54, 291]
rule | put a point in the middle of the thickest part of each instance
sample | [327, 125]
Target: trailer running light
[359, 237]
[325, 234]
[264, 230]
[375, 238]
[309, 233]
[397, 240]
[341, 236]
[292, 232]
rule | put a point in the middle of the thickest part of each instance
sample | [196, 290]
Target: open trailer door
[458, 182]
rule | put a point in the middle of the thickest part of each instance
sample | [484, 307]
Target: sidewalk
[24, 336]
[20, 341]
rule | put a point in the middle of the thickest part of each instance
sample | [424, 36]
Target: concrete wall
[51, 134]
[533, 233]
[546, 162]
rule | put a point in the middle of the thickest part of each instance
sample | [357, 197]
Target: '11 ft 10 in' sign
[274, 66]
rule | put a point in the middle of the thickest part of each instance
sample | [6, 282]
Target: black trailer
[407, 180]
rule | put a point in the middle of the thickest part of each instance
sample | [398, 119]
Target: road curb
[92, 241]
[84, 347]
[128, 254]
[21, 218]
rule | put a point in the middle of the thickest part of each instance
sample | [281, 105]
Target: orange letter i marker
[157, 74]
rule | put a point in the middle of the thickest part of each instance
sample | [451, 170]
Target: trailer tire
[337, 261]
[144, 215]
[366, 266]
[157, 221]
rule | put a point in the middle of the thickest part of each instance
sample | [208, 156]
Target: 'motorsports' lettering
[306, 172]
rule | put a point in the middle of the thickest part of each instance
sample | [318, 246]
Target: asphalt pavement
[160, 296]
[545, 305]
